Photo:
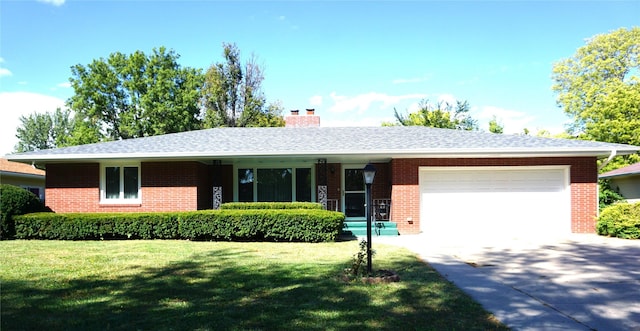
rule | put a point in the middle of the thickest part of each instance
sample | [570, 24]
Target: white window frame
[40, 191]
[121, 199]
[293, 166]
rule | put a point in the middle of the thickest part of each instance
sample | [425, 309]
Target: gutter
[611, 156]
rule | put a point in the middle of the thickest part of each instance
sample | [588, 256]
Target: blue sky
[353, 61]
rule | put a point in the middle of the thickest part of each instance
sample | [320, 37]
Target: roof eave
[20, 175]
[626, 174]
[395, 154]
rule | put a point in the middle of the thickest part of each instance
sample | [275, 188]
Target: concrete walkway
[581, 282]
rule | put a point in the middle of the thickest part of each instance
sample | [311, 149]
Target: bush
[79, 226]
[15, 201]
[620, 220]
[271, 205]
[308, 225]
[607, 195]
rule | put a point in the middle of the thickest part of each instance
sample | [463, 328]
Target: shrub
[271, 205]
[308, 225]
[607, 195]
[97, 226]
[620, 220]
[15, 201]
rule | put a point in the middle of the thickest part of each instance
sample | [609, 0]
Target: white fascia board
[396, 154]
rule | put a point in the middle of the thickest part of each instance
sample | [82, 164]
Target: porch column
[217, 184]
[321, 169]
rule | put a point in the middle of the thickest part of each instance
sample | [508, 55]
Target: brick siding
[177, 186]
[405, 196]
[165, 186]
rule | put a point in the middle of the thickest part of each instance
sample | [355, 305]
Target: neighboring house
[23, 175]
[446, 182]
[626, 181]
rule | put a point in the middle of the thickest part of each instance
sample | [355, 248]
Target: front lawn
[184, 285]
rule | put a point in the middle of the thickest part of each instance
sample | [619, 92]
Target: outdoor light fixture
[369, 172]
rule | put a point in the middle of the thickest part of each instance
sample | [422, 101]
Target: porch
[380, 222]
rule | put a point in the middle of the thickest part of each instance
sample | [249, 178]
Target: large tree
[44, 131]
[440, 115]
[599, 87]
[232, 93]
[136, 95]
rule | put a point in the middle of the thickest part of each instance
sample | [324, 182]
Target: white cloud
[413, 107]
[316, 100]
[363, 102]
[64, 85]
[513, 121]
[447, 99]
[56, 3]
[5, 72]
[16, 104]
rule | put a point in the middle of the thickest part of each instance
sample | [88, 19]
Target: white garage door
[488, 203]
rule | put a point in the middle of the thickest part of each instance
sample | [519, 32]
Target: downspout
[604, 164]
[611, 156]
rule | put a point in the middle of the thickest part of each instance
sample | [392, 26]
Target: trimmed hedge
[271, 205]
[620, 220]
[90, 226]
[308, 225]
[14, 201]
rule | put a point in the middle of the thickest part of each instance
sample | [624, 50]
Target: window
[38, 191]
[274, 184]
[303, 184]
[120, 184]
[245, 185]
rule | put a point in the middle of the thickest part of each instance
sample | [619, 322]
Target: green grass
[183, 285]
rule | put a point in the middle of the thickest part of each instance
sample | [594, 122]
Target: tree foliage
[495, 126]
[599, 87]
[44, 131]
[441, 115]
[136, 95]
[232, 93]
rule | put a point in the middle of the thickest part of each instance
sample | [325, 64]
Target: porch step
[359, 229]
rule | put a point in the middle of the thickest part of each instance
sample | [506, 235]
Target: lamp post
[369, 172]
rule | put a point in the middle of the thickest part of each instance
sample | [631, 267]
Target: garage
[489, 203]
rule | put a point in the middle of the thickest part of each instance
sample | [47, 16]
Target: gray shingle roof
[629, 170]
[392, 142]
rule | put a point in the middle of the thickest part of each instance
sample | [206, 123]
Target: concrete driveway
[580, 282]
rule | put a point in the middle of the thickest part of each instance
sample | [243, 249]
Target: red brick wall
[73, 187]
[205, 186]
[227, 183]
[302, 121]
[165, 186]
[333, 182]
[584, 195]
[405, 195]
[381, 188]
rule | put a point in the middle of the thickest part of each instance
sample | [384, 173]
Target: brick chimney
[302, 121]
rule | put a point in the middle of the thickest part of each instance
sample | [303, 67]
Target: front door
[354, 194]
